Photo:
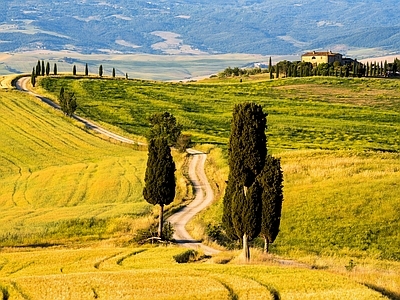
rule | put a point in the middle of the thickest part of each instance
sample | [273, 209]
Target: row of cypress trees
[42, 69]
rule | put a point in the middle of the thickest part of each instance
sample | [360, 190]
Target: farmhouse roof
[326, 53]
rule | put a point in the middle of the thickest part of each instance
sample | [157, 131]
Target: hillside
[59, 181]
[338, 141]
[198, 27]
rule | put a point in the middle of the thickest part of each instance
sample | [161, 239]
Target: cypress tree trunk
[266, 245]
[161, 219]
[246, 248]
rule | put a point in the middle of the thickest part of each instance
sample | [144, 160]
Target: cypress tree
[86, 70]
[159, 177]
[74, 70]
[55, 69]
[113, 72]
[271, 179]
[385, 68]
[101, 71]
[270, 68]
[277, 71]
[367, 70]
[43, 68]
[38, 71]
[47, 69]
[33, 77]
[247, 151]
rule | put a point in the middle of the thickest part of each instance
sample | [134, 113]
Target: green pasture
[311, 113]
[335, 203]
[152, 273]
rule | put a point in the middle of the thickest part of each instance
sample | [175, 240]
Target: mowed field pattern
[152, 273]
[53, 170]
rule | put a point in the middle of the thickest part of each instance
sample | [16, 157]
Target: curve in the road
[203, 197]
[22, 85]
[203, 192]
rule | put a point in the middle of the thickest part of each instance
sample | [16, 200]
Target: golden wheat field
[152, 273]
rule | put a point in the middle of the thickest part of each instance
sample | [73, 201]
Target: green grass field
[312, 113]
[339, 144]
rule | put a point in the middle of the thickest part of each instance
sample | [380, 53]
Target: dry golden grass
[152, 273]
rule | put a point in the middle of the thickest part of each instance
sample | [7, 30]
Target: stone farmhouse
[317, 58]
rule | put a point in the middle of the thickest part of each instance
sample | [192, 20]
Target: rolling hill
[338, 142]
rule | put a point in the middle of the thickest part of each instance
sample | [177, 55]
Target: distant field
[142, 66]
[311, 113]
[152, 273]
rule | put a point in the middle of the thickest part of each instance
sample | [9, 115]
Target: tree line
[44, 69]
[305, 69]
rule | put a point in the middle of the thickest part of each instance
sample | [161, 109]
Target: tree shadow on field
[391, 295]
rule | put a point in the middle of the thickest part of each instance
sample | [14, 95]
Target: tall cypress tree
[33, 77]
[101, 70]
[55, 69]
[43, 68]
[247, 151]
[113, 72]
[270, 68]
[270, 180]
[47, 69]
[86, 70]
[74, 70]
[159, 177]
[38, 71]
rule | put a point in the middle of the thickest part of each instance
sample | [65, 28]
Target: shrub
[185, 257]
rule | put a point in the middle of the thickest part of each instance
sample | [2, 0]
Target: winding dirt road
[204, 195]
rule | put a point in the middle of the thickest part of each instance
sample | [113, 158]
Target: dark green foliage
[160, 173]
[246, 211]
[42, 69]
[187, 256]
[164, 125]
[271, 179]
[33, 77]
[74, 70]
[101, 70]
[159, 177]
[38, 68]
[86, 70]
[247, 143]
[47, 69]
[113, 72]
[55, 69]
[67, 102]
[247, 151]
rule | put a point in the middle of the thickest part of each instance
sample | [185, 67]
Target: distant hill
[200, 26]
